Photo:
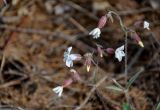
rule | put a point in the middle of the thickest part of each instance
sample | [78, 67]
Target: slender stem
[120, 21]
[128, 99]
[125, 30]
[127, 96]
[126, 56]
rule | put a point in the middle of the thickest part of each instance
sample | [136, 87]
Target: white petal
[65, 57]
[60, 93]
[69, 62]
[95, 33]
[119, 59]
[122, 53]
[120, 48]
[92, 32]
[119, 53]
[118, 56]
[96, 36]
[73, 56]
[69, 49]
[146, 25]
[97, 30]
[58, 90]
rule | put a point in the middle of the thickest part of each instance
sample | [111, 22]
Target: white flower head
[58, 90]
[119, 53]
[69, 58]
[95, 33]
[146, 25]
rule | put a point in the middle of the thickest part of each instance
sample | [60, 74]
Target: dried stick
[106, 100]
[90, 93]
[11, 83]
[136, 11]
[10, 107]
[78, 25]
[84, 11]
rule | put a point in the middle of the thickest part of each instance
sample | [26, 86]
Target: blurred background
[35, 33]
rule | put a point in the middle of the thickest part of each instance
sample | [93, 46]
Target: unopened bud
[102, 21]
[67, 82]
[137, 39]
[141, 43]
[110, 50]
[88, 61]
[138, 24]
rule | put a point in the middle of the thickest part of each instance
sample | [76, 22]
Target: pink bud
[110, 50]
[137, 39]
[67, 82]
[102, 21]
[137, 24]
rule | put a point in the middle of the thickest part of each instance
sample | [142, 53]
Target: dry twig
[90, 93]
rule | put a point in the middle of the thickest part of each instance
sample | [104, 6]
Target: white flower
[5, 2]
[146, 25]
[95, 33]
[58, 90]
[69, 58]
[119, 53]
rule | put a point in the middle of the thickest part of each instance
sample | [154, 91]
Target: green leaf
[158, 106]
[133, 78]
[126, 106]
[115, 88]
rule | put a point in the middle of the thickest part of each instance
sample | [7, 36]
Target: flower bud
[110, 50]
[138, 24]
[88, 61]
[102, 21]
[67, 82]
[137, 39]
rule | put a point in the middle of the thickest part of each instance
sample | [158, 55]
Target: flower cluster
[88, 59]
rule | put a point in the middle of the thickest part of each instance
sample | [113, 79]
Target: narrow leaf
[117, 84]
[126, 106]
[158, 106]
[133, 78]
[115, 88]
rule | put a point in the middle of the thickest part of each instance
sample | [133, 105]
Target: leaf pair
[117, 87]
